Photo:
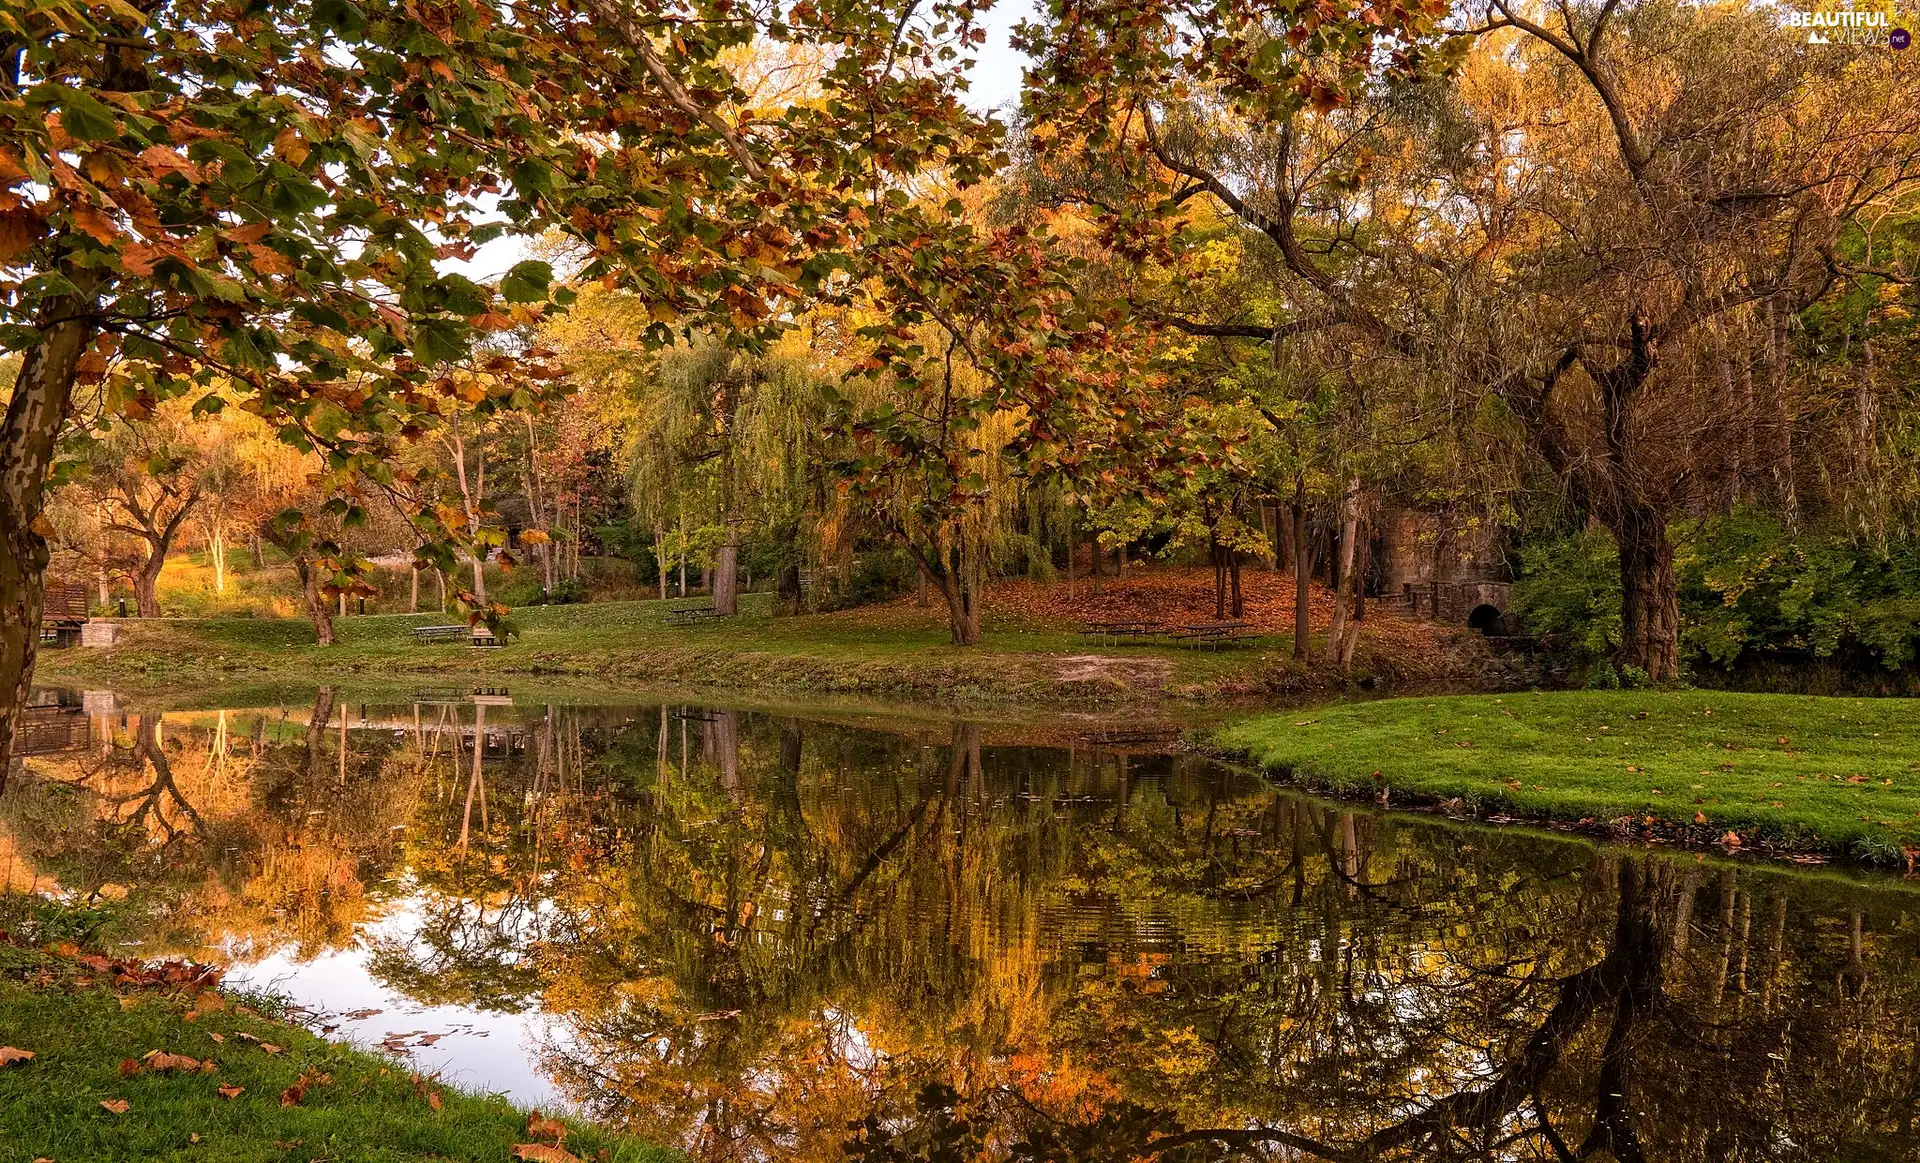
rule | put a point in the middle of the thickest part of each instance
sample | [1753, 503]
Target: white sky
[994, 84]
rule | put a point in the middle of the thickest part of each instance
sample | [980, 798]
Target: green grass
[82, 1030]
[887, 651]
[1835, 775]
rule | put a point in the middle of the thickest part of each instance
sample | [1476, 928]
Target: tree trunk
[1238, 607]
[660, 556]
[315, 600]
[1218, 554]
[217, 549]
[253, 549]
[726, 574]
[146, 584]
[35, 412]
[959, 585]
[413, 591]
[1302, 580]
[1342, 568]
[1649, 596]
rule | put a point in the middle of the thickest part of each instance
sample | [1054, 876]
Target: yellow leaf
[544, 1153]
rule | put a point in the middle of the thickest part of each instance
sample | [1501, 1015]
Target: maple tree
[266, 192]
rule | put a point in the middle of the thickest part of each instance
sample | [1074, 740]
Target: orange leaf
[541, 1127]
[543, 1153]
[230, 1091]
[161, 1060]
[19, 229]
[9, 1055]
[118, 1106]
[94, 222]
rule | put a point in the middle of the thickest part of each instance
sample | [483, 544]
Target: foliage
[1750, 588]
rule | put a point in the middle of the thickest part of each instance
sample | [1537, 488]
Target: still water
[803, 935]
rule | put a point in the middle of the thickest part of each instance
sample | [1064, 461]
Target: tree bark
[1342, 570]
[726, 573]
[36, 411]
[1649, 595]
[318, 610]
[660, 556]
[1302, 579]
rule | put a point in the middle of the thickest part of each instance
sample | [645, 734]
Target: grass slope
[354, 1105]
[1834, 775]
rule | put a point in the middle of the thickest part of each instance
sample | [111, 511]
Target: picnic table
[1212, 634]
[1134, 629]
[688, 615]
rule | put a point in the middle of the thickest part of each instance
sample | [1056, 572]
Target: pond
[796, 934]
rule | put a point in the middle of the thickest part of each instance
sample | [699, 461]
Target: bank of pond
[796, 933]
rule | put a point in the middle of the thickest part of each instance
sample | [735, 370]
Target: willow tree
[1602, 203]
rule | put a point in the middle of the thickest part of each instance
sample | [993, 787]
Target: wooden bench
[1135, 630]
[1212, 634]
[63, 612]
[688, 615]
[474, 635]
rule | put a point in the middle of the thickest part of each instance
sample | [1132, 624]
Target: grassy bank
[228, 1083]
[1786, 772]
[896, 650]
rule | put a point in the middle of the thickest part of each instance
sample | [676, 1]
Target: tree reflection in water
[771, 937]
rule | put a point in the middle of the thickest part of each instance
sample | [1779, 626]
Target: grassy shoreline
[893, 651]
[230, 1080]
[1783, 774]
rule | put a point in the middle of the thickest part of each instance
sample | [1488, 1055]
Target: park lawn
[1834, 775]
[892, 650]
[88, 1035]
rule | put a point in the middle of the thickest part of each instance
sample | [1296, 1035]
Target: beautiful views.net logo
[1865, 25]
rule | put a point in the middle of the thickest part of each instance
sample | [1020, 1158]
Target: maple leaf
[11, 1055]
[92, 221]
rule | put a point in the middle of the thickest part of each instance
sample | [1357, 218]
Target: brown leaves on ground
[12, 1055]
[1172, 594]
[544, 1153]
[118, 1106]
[293, 1095]
[541, 1127]
[425, 1089]
[161, 1060]
[230, 1091]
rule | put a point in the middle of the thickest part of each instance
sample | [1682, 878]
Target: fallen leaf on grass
[544, 1153]
[541, 1127]
[270, 1048]
[161, 1060]
[216, 1037]
[292, 1095]
[129, 1067]
[231, 1091]
[9, 1055]
[118, 1106]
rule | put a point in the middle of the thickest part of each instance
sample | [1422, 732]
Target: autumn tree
[1601, 206]
[262, 192]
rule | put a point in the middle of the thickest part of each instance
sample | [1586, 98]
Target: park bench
[474, 635]
[1212, 635]
[688, 615]
[1133, 630]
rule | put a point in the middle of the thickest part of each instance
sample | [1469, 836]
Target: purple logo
[1899, 38]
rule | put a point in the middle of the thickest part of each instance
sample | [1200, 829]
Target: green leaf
[527, 282]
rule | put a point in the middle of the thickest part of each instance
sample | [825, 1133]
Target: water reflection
[772, 936]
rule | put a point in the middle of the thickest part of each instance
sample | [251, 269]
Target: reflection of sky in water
[479, 1051]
